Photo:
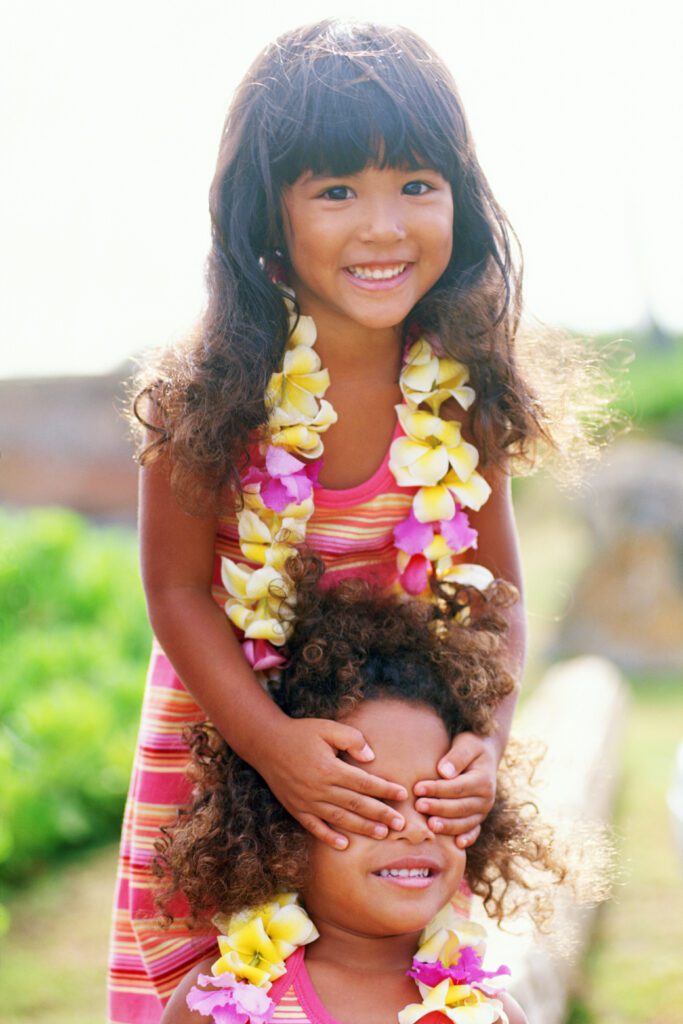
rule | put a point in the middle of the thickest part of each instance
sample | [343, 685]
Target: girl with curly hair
[410, 680]
[357, 251]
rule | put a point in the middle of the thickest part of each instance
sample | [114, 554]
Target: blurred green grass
[632, 970]
[52, 962]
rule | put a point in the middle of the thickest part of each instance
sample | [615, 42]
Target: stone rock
[577, 783]
[628, 604]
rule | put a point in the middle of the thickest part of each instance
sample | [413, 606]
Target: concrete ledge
[578, 712]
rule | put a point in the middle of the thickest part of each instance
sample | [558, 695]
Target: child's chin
[402, 920]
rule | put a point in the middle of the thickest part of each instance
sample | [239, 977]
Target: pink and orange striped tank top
[351, 529]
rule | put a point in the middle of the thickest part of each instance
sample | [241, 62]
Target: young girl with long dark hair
[364, 299]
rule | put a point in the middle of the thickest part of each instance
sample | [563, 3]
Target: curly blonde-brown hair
[237, 846]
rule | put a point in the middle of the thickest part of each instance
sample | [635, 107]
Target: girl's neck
[349, 349]
[353, 951]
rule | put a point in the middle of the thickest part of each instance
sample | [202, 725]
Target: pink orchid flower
[414, 537]
[467, 971]
[286, 480]
[415, 575]
[261, 655]
[235, 1002]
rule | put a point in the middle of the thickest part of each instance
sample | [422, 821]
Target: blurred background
[109, 124]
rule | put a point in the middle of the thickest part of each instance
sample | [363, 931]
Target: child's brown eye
[338, 192]
[417, 188]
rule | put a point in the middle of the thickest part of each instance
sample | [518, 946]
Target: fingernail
[447, 769]
[437, 826]
[397, 824]
[341, 843]
[381, 831]
[422, 806]
[367, 753]
[420, 791]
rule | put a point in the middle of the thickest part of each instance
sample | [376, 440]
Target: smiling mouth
[409, 873]
[405, 873]
[366, 273]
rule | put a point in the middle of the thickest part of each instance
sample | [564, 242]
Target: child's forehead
[408, 739]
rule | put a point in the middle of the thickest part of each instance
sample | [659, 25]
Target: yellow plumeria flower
[257, 942]
[432, 447]
[267, 538]
[446, 933]
[438, 502]
[299, 437]
[293, 517]
[297, 387]
[431, 503]
[262, 601]
[300, 384]
[302, 331]
[467, 574]
[431, 379]
[438, 549]
[462, 1004]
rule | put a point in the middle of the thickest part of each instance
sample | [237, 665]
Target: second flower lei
[255, 944]
[432, 459]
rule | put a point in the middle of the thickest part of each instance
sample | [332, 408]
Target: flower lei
[432, 458]
[255, 944]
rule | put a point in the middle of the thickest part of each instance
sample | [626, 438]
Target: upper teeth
[404, 873]
[378, 275]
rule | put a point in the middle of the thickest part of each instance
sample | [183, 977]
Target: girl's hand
[321, 790]
[459, 801]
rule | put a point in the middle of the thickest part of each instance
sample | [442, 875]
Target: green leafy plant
[74, 640]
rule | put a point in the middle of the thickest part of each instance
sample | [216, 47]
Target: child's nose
[416, 829]
[382, 223]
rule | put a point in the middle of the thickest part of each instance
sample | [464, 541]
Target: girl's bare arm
[498, 550]
[458, 802]
[297, 758]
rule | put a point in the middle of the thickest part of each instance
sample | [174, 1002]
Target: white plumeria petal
[267, 581]
[467, 574]
[239, 614]
[471, 493]
[252, 528]
[304, 333]
[235, 577]
[432, 503]
[463, 458]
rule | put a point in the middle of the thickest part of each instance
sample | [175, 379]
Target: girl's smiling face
[396, 885]
[367, 247]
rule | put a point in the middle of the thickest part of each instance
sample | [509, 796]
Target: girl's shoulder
[514, 1011]
[177, 1011]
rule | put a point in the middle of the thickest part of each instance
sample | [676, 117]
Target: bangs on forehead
[354, 114]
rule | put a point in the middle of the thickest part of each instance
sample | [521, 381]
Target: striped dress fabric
[352, 531]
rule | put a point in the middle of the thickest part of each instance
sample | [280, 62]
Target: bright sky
[112, 112]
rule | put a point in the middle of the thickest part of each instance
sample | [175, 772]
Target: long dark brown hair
[334, 97]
